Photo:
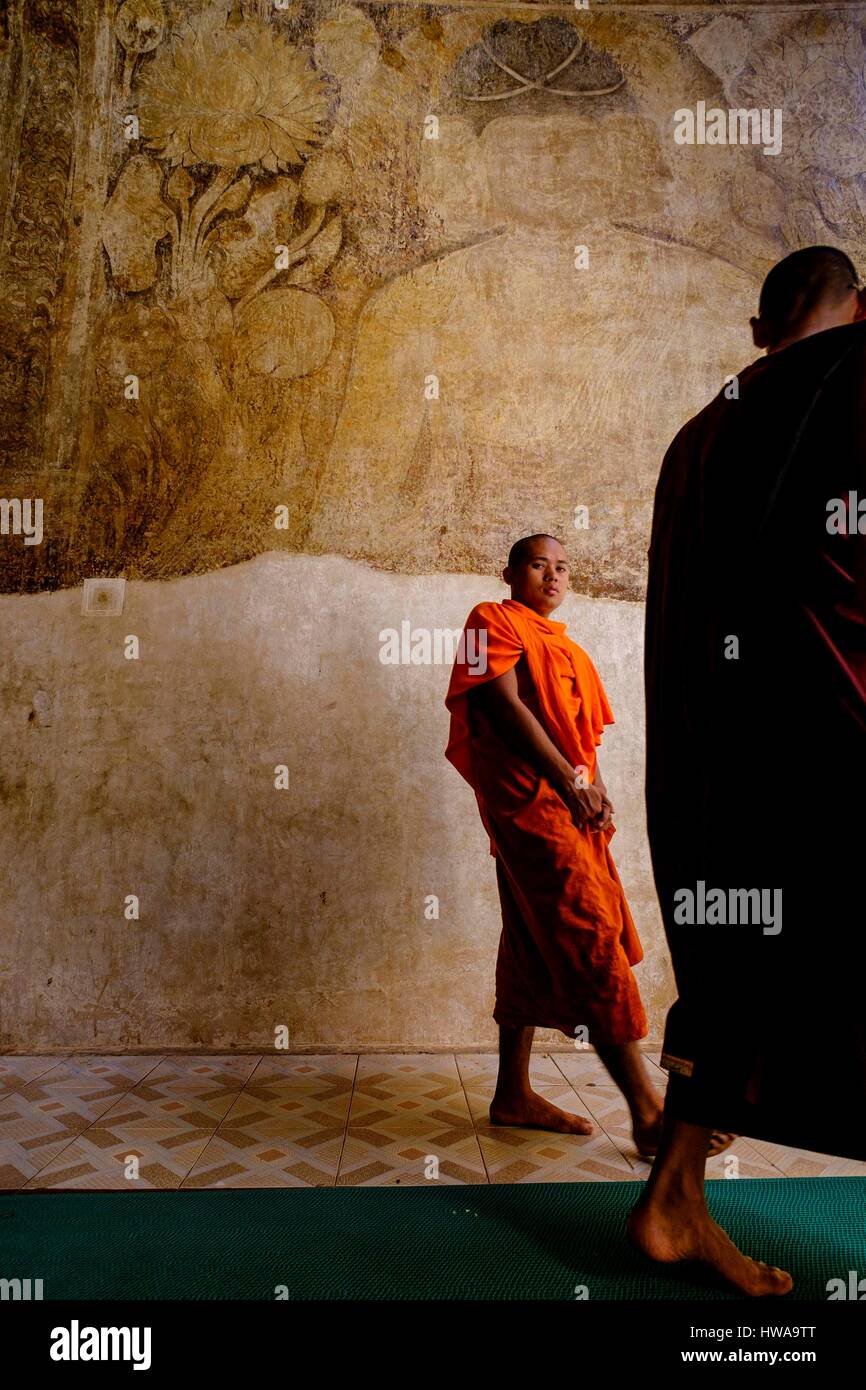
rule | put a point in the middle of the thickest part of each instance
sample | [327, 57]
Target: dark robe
[756, 766]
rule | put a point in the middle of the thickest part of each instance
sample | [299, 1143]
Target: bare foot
[671, 1233]
[534, 1112]
[647, 1137]
[719, 1141]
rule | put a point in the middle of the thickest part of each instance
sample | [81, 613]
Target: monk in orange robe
[527, 713]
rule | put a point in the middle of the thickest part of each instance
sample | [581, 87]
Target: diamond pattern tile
[135, 1123]
[16, 1072]
[47, 1112]
[409, 1124]
[165, 1146]
[801, 1163]
[207, 1079]
[286, 1128]
[513, 1154]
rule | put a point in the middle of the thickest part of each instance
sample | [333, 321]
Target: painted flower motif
[233, 97]
[816, 79]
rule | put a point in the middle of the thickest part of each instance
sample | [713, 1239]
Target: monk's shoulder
[502, 627]
[694, 433]
[491, 614]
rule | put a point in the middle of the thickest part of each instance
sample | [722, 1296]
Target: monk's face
[541, 579]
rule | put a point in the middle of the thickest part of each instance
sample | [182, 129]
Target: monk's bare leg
[671, 1222]
[628, 1067]
[629, 1070]
[515, 1102]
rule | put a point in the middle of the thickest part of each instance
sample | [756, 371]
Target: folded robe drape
[568, 940]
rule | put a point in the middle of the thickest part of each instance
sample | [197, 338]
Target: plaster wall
[307, 312]
[306, 906]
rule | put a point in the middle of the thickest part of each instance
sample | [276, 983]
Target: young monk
[526, 719]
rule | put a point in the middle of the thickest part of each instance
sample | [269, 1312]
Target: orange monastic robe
[568, 940]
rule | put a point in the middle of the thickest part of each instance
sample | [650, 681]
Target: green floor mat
[499, 1242]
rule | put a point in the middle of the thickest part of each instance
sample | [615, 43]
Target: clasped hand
[590, 806]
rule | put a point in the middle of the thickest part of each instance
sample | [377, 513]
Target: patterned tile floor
[298, 1121]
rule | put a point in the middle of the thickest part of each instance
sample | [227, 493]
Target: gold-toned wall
[307, 310]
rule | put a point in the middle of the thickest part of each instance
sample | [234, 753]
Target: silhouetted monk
[525, 723]
[756, 760]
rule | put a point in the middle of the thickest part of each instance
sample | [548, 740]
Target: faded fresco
[307, 311]
[304, 276]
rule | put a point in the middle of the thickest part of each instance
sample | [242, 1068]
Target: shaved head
[522, 549]
[809, 290]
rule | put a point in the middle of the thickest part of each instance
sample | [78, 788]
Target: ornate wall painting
[235, 260]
